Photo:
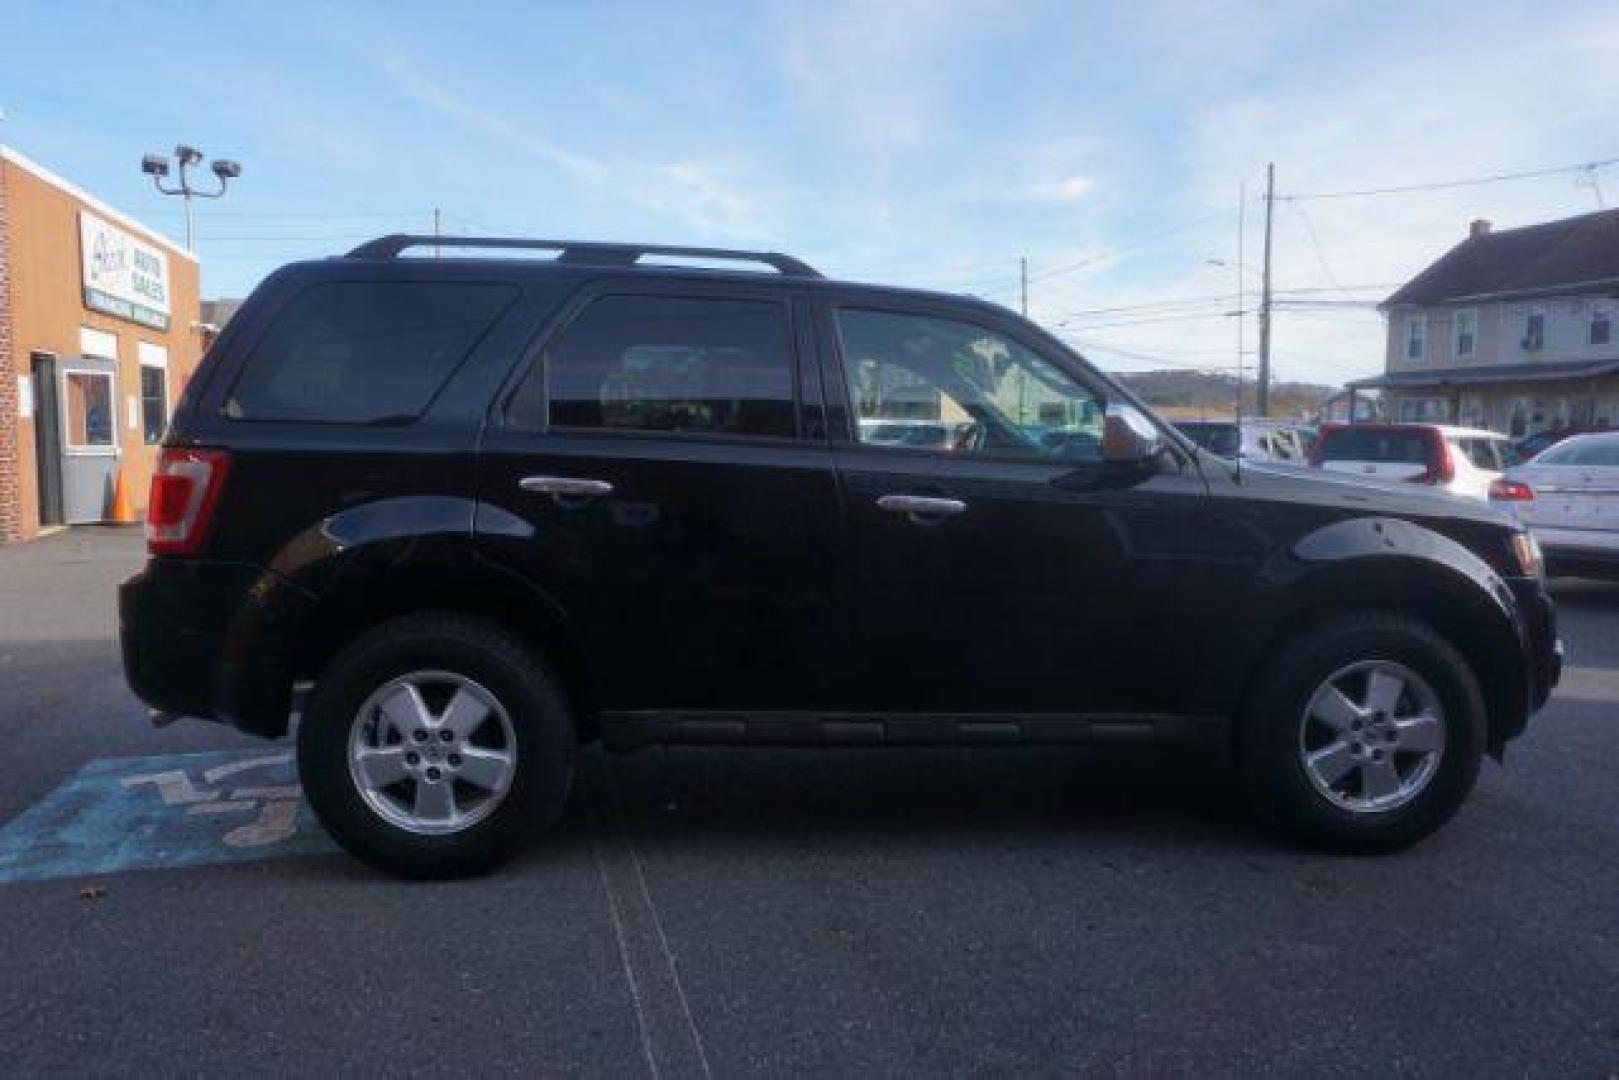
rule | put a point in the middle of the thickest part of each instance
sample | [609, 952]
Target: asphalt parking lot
[169, 906]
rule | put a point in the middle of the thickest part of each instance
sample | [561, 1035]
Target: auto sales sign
[123, 276]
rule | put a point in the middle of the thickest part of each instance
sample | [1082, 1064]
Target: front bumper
[211, 640]
[1543, 648]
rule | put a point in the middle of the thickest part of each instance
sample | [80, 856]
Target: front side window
[683, 365]
[931, 383]
[1466, 334]
[1601, 327]
[363, 352]
[1416, 337]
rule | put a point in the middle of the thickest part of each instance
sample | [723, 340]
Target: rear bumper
[210, 640]
[1579, 552]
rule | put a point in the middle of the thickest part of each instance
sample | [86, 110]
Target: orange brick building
[99, 333]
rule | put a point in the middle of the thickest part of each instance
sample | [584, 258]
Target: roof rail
[573, 251]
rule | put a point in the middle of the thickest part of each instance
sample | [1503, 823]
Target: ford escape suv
[460, 515]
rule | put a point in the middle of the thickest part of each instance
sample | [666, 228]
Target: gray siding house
[1511, 330]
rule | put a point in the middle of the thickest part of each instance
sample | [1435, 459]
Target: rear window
[1369, 444]
[1602, 450]
[1219, 439]
[364, 353]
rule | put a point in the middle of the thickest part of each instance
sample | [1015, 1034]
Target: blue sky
[925, 143]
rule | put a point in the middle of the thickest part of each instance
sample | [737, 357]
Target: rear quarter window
[1351, 444]
[364, 353]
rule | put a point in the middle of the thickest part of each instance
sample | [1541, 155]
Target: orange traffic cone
[122, 512]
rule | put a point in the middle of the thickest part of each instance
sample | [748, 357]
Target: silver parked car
[1569, 498]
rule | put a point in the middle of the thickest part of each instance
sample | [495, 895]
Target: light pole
[157, 167]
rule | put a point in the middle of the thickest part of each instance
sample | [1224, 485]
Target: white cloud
[692, 193]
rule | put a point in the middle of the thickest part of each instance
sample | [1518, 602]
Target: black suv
[460, 514]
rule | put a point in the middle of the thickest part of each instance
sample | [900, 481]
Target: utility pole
[438, 230]
[1023, 279]
[1262, 392]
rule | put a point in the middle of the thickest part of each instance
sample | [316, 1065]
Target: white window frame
[73, 449]
[102, 344]
[154, 356]
[1471, 315]
[1419, 338]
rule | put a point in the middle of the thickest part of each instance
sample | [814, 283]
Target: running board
[628, 730]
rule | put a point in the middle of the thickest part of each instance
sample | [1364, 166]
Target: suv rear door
[660, 476]
[1013, 572]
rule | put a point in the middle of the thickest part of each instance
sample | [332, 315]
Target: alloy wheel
[432, 752]
[1372, 736]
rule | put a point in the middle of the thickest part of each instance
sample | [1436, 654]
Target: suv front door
[1004, 568]
[661, 479]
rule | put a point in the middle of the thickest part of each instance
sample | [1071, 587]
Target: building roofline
[42, 173]
[1567, 288]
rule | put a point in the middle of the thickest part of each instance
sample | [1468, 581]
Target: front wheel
[1365, 736]
[436, 746]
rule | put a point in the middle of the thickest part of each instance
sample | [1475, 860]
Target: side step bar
[628, 730]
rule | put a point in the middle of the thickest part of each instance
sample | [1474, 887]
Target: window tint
[677, 364]
[154, 403]
[364, 353]
[923, 382]
[1366, 444]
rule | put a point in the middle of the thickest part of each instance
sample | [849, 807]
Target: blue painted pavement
[173, 810]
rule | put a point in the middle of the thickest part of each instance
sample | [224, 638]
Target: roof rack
[572, 251]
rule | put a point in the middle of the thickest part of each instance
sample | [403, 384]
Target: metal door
[87, 397]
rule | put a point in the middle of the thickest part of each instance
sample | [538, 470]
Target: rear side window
[1483, 453]
[692, 365]
[1366, 444]
[364, 353]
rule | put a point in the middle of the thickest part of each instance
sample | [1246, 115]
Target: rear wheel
[436, 746]
[1366, 735]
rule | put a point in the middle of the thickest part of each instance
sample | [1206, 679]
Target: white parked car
[1463, 461]
[1569, 497]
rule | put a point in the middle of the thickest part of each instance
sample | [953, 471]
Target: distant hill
[1192, 393]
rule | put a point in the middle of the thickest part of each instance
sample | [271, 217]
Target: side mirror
[1128, 438]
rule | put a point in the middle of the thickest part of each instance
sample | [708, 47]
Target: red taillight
[185, 490]
[1443, 469]
[1504, 490]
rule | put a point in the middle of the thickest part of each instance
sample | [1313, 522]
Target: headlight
[1526, 553]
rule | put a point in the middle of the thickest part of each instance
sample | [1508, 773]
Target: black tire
[1270, 740]
[500, 663]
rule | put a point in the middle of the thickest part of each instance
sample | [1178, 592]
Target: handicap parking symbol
[170, 811]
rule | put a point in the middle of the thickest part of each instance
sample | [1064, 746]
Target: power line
[1315, 242]
[1440, 185]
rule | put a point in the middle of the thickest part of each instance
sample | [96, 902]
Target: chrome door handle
[920, 504]
[565, 485]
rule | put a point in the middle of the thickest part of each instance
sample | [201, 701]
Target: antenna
[1242, 208]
